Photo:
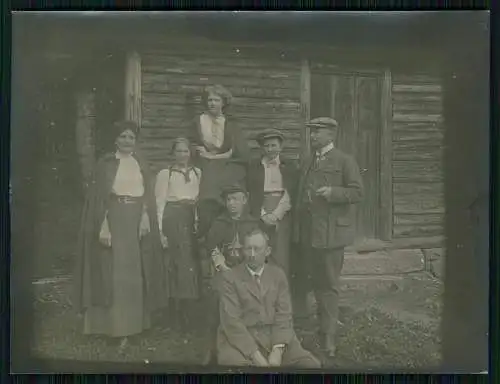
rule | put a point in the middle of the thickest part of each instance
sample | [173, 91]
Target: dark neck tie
[186, 173]
[317, 159]
[257, 282]
[257, 279]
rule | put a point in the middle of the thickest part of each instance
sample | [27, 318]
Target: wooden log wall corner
[133, 100]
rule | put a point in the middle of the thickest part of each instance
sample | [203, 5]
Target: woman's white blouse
[212, 130]
[128, 180]
[173, 187]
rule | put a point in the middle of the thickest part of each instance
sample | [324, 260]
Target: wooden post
[305, 102]
[386, 203]
[85, 132]
[133, 96]
[333, 90]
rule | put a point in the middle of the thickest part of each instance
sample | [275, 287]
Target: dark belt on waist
[182, 202]
[274, 193]
[126, 199]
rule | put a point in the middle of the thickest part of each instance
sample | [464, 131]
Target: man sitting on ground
[255, 313]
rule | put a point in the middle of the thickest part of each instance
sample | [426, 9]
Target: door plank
[368, 128]
[386, 155]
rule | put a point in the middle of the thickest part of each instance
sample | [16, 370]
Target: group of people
[147, 242]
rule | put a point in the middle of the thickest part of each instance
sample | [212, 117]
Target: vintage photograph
[230, 195]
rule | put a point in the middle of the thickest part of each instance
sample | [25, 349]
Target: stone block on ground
[384, 262]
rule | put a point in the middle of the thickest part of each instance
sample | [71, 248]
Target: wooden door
[354, 100]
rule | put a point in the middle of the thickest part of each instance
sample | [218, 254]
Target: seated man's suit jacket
[254, 316]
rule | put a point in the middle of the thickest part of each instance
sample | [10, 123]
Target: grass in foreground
[384, 326]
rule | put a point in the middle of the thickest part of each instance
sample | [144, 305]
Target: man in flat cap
[330, 183]
[223, 244]
[270, 181]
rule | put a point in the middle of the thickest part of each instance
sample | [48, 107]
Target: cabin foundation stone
[388, 262]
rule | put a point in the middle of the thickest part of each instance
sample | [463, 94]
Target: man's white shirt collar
[276, 160]
[323, 151]
[255, 273]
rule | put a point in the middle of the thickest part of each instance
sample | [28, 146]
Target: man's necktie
[317, 158]
[257, 279]
[257, 282]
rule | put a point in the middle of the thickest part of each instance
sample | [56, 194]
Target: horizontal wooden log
[148, 133]
[229, 82]
[416, 117]
[429, 171]
[409, 97]
[210, 58]
[283, 122]
[238, 113]
[423, 126]
[343, 70]
[246, 123]
[425, 88]
[253, 92]
[166, 109]
[416, 189]
[417, 230]
[223, 68]
[383, 262]
[428, 153]
[419, 219]
[418, 204]
[373, 245]
[431, 137]
[416, 145]
[403, 78]
[175, 122]
[427, 179]
[292, 138]
[417, 107]
[151, 100]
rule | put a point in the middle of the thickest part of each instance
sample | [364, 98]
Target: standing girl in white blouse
[177, 189]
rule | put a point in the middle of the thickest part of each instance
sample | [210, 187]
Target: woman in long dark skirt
[118, 278]
[176, 191]
[221, 153]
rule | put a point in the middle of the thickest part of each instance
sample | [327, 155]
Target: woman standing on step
[119, 279]
[176, 191]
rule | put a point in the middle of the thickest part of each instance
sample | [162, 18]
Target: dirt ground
[385, 325]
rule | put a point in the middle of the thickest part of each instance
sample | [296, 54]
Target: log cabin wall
[265, 89]
[417, 155]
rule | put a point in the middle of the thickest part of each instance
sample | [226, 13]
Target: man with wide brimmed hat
[270, 181]
[330, 183]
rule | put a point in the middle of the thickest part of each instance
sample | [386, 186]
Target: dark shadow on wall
[466, 113]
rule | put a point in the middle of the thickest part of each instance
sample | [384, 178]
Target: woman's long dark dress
[117, 288]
